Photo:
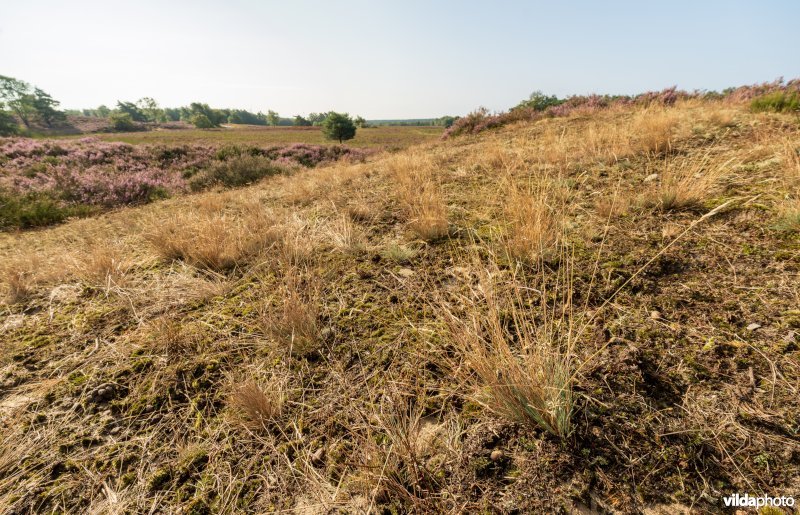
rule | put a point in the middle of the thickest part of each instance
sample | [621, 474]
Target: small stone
[405, 272]
[753, 326]
[318, 455]
[496, 455]
[655, 315]
[325, 332]
[650, 178]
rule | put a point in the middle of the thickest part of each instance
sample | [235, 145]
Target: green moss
[160, 479]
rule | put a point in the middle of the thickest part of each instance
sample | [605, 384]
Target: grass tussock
[400, 254]
[19, 278]
[534, 216]
[420, 195]
[102, 265]
[257, 406]
[214, 240]
[687, 183]
[347, 236]
[400, 455]
[296, 325]
[522, 368]
[652, 131]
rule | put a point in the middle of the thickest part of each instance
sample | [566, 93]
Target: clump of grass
[420, 195]
[19, 278]
[687, 183]
[777, 102]
[102, 265]
[395, 456]
[297, 324]
[258, 407]
[534, 216]
[347, 236]
[214, 240]
[522, 369]
[652, 131]
[789, 216]
[399, 254]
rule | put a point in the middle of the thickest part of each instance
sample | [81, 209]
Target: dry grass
[296, 326]
[211, 239]
[347, 236]
[523, 369]
[257, 407]
[400, 454]
[102, 265]
[400, 254]
[686, 183]
[420, 195]
[534, 216]
[652, 130]
[19, 278]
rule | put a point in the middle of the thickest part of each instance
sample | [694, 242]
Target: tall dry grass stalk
[397, 454]
[521, 362]
[347, 236]
[420, 195]
[534, 215]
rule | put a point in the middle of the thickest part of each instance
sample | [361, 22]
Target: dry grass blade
[420, 195]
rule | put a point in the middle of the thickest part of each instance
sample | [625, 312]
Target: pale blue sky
[380, 59]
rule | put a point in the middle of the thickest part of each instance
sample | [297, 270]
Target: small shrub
[236, 171]
[36, 210]
[777, 102]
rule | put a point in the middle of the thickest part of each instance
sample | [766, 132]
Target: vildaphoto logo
[752, 501]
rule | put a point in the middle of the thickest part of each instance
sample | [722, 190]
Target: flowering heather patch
[480, 120]
[92, 172]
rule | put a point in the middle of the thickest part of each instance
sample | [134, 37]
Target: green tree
[132, 110]
[201, 121]
[122, 122]
[538, 101]
[149, 108]
[299, 121]
[273, 118]
[338, 126]
[45, 107]
[360, 122]
[8, 125]
[103, 111]
[16, 95]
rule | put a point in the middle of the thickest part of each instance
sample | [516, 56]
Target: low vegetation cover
[777, 96]
[45, 181]
[589, 312]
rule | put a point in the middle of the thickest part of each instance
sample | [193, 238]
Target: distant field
[383, 137]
